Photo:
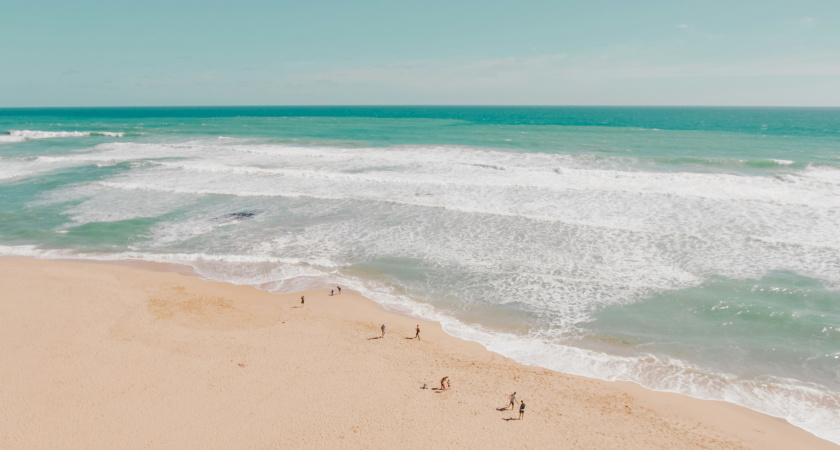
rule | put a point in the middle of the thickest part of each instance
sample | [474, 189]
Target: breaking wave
[20, 135]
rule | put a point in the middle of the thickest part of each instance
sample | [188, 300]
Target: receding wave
[10, 138]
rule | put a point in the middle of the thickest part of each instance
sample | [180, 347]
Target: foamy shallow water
[618, 253]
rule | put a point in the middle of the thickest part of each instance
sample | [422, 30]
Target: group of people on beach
[444, 382]
[416, 332]
[332, 292]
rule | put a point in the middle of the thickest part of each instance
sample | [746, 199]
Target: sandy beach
[113, 356]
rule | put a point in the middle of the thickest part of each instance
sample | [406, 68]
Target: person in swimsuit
[521, 409]
[383, 330]
[301, 299]
[417, 334]
[339, 289]
[443, 383]
[332, 292]
[512, 403]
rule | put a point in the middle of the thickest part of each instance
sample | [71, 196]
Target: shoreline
[134, 341]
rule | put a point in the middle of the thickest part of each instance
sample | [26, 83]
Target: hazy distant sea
[694, 250]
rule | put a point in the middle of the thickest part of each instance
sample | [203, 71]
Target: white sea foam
[36, 134]
[706, 215]
[785, 189]
[828, 175]
[696, 210]
[10, 138]
[448, 166]
[103, 205]
[13, 169]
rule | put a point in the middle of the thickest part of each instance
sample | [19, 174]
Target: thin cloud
[682, 25]
[618, 76]
[807, 21]
[550, 71]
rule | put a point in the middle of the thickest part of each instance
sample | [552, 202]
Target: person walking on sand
[521, 409]
[339, 289]
[383, 330]
[417, 334]
[512, 403]
[332, 292]
[301, 300]
[443, 383]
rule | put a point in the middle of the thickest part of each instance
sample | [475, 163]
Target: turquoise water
[688, 249]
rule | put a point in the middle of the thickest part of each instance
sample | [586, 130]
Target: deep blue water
[814, 122]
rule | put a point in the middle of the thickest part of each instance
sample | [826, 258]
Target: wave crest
[19, 135]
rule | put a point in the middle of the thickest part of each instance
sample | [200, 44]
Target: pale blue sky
[254, 52]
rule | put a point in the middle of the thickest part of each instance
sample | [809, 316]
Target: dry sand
[110, 356]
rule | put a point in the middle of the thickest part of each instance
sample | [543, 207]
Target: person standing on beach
[521, 409]
[417, 334]
[383, 330]
[301, 300]
[512, 403]
[332, 292]
[443, 383]
[339, 289]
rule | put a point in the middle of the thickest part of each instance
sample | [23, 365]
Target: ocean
[690, 250]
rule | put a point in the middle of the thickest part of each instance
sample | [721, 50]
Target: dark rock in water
[241, 215]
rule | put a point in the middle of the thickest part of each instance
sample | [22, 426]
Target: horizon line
[416, 106]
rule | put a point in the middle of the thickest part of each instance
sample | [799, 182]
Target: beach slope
[112, 356]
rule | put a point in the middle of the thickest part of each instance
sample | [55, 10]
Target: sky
[527, 52]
